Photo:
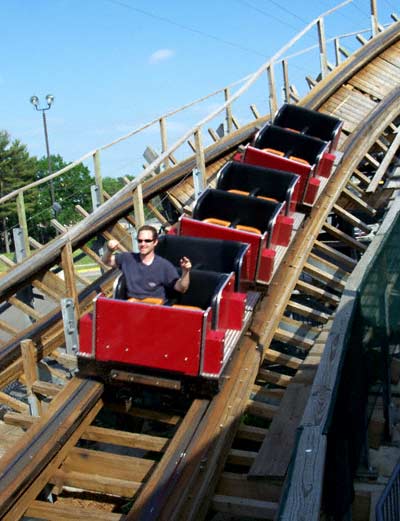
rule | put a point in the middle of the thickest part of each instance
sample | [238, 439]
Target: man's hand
[113, 245]
[185, 264]
[108, 255]
[182, 284]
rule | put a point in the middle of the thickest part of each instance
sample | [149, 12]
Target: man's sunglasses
[145, 240]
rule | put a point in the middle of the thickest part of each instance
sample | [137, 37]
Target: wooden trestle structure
[233, 453]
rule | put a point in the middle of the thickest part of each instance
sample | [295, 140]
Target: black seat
[291, 144]
[258, 181]
[309, 122]
[205, 254]
[203, 291]
[119, 288]
[237, 210]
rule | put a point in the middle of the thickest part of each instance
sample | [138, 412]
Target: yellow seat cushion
[240, 192]
[299, 160]
[267, 198]
[214, 220]
[148, 300]
[183, 306]
[274, 151]
[248, 229]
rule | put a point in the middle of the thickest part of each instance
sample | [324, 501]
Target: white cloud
[161, 55]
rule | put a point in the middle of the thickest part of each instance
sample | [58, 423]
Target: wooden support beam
[213, 134]
[67, 262]
[262, 409]
[29, 358]
[250, 508]
[276, 450]
[251, 433]
[234, 484]
[99, 483]
[47, 389]
[382, 169]
[126, 439]
[228, 111]
[255, 111]
[200, 161]
[243, 458]
[357, 201]
[271, 377]
[46, 510]
[318, 293]
[307, 312]
[157, 213]
[138, 208]
[28, 310]
[362, 177]
[344, 238]
[287, 337]
[13, 403]
[325, 277]
[343, 260]
[5, 326]
[328, 267]
[286, 84]
[350, 218]
[275, 357]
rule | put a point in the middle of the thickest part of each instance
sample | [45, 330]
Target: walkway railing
[388, 506]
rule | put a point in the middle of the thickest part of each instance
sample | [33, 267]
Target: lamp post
[36, 103]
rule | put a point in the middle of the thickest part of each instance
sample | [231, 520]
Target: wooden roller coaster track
[84, 454]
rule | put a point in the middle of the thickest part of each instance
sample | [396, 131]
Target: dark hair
[148, 228]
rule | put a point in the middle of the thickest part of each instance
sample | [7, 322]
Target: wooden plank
[308, 468]
[28, 310]
[239, 507]
[31, 373]
[113, 466]
[262, 409]
[15, 404]
[361, 176]
[307, 311]
[67, 262]
[276, 450]
[318, 293]
[326, 278]
[148, 500]
[5, 326]
[381, 171]
[95, 482]
[328, 267]
[251, 433]
[60, 512]
[125, 439]
[272, 377]
[344, 261]
[233, 484]
[289, 338]
[43, 447]
[276, 357]
[348, 217]
[343, 237]
[46, 388]
[301, 328]
[244, 458]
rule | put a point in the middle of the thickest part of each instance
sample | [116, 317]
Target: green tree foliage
[17, 169]
[112, 185]
[70, 189]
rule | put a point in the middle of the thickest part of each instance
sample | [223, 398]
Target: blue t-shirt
[144, 280]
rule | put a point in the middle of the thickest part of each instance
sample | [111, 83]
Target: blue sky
[113, 65]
